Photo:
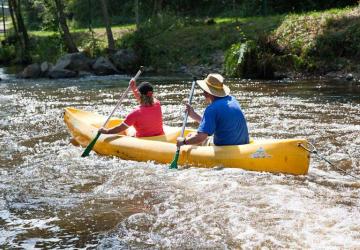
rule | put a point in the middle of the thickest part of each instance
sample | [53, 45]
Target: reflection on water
[50, 197]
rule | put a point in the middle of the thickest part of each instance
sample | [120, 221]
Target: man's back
[224, 118]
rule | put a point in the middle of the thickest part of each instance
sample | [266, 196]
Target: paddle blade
[90, 146]
[173, 164]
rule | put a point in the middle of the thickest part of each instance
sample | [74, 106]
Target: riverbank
[270, 47]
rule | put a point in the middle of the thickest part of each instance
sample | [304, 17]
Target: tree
[69, 43]
[20, 30]
[157, 6]
[110, 38]
[137, 19]
[3, 17]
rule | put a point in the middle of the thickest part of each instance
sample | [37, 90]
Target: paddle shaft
[186, 114]
[92, 143]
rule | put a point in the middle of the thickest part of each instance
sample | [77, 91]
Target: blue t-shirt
[224, 118]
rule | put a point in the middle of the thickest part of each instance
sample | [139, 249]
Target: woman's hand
[134, 89]
[132, 83]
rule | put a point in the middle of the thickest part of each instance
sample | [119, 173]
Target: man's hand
[180, 141]
[189, 109]
[192, 113]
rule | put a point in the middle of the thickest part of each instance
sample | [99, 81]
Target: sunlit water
[50, 197]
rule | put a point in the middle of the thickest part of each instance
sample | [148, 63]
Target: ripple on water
[50, 197]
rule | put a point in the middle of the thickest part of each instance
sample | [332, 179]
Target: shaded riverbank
[322, 43]
[51, 197]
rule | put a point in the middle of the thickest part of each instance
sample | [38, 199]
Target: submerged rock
[62, 73]
[349, 77]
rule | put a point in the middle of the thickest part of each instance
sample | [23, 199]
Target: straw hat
[213, 84]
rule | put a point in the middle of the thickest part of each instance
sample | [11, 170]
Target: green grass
[302, 41]
[196, 43]
[42, 33]
[324, 37]
[98, 31]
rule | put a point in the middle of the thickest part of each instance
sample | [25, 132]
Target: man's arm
[195, 139]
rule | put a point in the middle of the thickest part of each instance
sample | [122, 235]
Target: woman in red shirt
[146, 118]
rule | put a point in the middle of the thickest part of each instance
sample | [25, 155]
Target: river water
[50, 197]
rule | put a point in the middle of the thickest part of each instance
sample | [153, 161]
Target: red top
[147, 120]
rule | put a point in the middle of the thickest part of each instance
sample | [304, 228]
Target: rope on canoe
[312, 149]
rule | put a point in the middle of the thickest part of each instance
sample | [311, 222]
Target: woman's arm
[134, 89]
[114, 130]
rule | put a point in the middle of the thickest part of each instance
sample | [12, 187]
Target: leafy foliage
[41, 15]
[249, 60]
[47, 48]
[7, 54]
[174, 33]
[82, 13]
[318, 41]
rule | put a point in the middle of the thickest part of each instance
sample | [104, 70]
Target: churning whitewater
[50, 197]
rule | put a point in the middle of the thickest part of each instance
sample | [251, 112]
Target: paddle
[93, 142]
[173, 164]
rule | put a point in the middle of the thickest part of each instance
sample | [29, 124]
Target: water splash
[50, 197]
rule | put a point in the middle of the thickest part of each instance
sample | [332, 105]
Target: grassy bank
[319, 42]
[309, 43]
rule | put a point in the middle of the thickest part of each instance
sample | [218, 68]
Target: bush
[145, 41]
[7, 54]
[47, 48]
[249, 60]
[138, 43]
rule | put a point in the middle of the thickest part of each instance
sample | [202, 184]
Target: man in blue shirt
[222, 118]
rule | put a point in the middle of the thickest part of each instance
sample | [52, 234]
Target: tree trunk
[20, 30]
[137, 20]
[11, 10]
[3, 17]
[21, 25]
[110, 38]
[157, 7]
[69, 43]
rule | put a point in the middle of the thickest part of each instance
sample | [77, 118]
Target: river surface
[50, 197]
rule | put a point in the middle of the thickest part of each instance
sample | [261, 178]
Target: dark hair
[144, 89]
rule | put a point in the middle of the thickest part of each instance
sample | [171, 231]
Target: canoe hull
[276, 156]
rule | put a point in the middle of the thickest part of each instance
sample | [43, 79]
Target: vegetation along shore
[262, 40]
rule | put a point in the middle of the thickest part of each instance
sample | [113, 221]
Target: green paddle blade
[90, 146]
[173, 164]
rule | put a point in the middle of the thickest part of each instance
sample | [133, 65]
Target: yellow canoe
[277, 156]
